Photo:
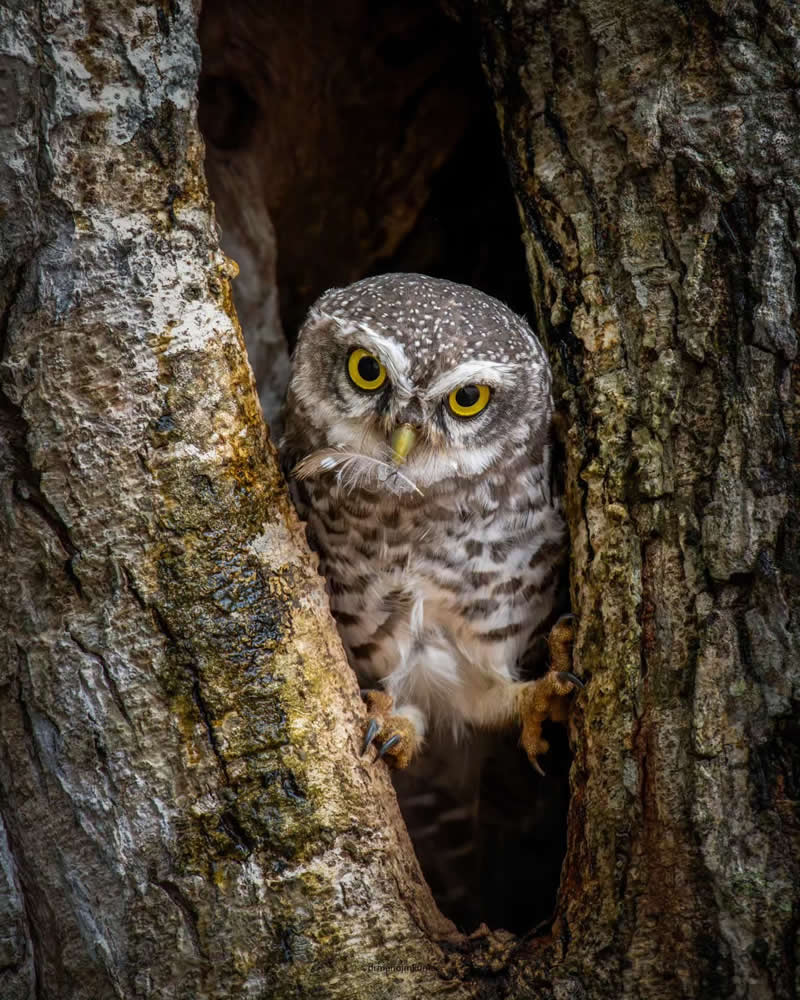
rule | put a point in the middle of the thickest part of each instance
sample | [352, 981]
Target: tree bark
[655, 151]
[184, 813]
[183, 810]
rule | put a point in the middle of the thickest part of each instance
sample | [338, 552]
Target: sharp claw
[372, 732]
[387, 746]
[565, 675]
[568, 617]
[538, 767]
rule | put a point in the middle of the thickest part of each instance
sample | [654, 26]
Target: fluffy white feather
[353, 470]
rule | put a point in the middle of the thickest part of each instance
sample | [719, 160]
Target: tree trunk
[655, 154]
[184, 813]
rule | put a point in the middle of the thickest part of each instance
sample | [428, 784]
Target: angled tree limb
[184, 811]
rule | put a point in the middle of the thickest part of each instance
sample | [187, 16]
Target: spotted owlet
[418, 445]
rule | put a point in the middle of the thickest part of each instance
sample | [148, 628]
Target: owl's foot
[546, 698]
[399, 737]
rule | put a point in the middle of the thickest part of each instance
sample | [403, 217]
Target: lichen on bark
[184, 812]
[657, 184]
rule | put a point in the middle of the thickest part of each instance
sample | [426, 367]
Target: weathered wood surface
[655, 153]
[183, 810]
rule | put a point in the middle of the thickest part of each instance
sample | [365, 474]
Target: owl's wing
[298, 491]
[293, 447]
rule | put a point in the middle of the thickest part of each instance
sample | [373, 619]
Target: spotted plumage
[418, 447]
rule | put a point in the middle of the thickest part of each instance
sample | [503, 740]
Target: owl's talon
[548, 697]
[372, 731]
[402, 741]
[401, 737]
[387, 746]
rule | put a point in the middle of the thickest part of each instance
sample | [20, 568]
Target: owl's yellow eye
[365, 370]
[469, 400]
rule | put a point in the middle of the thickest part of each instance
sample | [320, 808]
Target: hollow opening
[347, 142]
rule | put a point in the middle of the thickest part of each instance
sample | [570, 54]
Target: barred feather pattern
[437, 599]
[442, 572]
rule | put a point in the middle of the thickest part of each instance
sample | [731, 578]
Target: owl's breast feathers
[438, 595]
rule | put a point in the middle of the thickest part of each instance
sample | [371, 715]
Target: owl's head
[408, 374]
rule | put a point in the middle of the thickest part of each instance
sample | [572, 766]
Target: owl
[417, 443]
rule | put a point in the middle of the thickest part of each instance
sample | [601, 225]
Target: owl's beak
[403, 438]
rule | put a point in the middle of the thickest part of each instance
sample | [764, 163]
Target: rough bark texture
[183, 811]
[655, 153]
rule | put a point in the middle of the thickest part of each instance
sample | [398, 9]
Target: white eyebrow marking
[491, 373]
[390, 353]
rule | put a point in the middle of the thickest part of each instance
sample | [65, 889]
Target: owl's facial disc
[440, 413]
[436, 426]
